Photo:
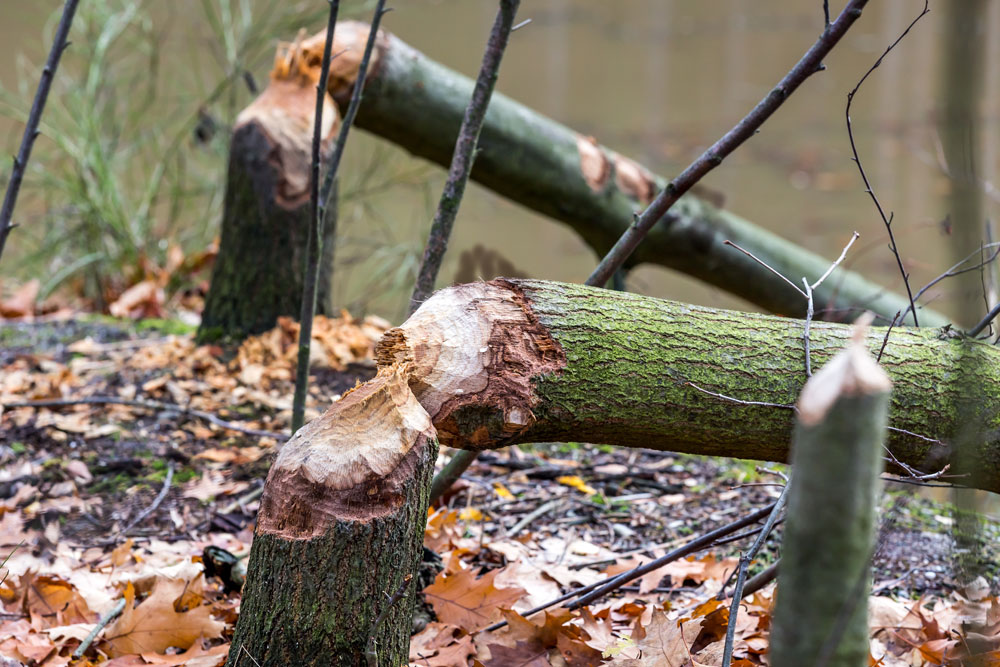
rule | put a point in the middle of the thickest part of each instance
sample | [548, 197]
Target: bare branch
[810, 63]
[464, 155]
[59, 44]
[886, 220]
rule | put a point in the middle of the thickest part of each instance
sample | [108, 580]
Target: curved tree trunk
[257, 275]
[418, 104]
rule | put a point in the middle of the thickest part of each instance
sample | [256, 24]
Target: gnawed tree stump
[341, 525]
[257, 275]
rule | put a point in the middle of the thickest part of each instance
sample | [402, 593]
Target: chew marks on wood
[350, 463]
[473, 351]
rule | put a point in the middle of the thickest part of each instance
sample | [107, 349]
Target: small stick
[101, 624]
[156, 502]
[371, 652]
[765, 265]
[810, 63]
[990, 316]
[805, 328]
[531, 516]
[455, 468]
[321, 199]
[31, 132]
[464, 155]
[745, 559]
[146, 405]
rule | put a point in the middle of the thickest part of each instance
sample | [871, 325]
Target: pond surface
[659, 80]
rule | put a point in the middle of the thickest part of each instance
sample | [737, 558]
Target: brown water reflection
[658, 80]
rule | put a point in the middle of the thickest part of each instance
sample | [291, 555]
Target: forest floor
[101, 502]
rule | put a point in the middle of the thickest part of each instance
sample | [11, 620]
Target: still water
[658, 80]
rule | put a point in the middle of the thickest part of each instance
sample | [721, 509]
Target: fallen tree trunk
[418, 104]
[485, 365]
[340, 528]
[266, 217]
[515, 361]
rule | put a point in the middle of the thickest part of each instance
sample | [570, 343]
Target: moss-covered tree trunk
[257, 275]
[418, 104]
[486, 365]
[512, 361]
[825, 580]
[340, 527]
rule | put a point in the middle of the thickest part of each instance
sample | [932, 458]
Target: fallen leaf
[576, 482]
[666, 643]
[467, 602]
[22, 302]
[154, 625]
[144, 299]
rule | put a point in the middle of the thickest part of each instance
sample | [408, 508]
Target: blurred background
[128, 175]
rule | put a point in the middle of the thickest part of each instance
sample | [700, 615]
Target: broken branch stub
[825, 579]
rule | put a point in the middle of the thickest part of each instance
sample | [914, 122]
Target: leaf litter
[73, 479]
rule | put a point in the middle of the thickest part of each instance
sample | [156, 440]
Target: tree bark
[822, 611]
[418, 104]
[340, 527]
[258, 273]
[514, 361]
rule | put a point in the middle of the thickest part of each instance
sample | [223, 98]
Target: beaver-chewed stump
[485, 365]
[340, 527]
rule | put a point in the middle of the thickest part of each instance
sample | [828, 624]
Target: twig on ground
[531, 516]
[101, 624]
[314, 239]
[243, 500]
[602, 588]
[464, 155]
[810, 63]
[156, 502]
[31, 132]
[371, 651]
[886, 220]
[145, 405]
[745, 560]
